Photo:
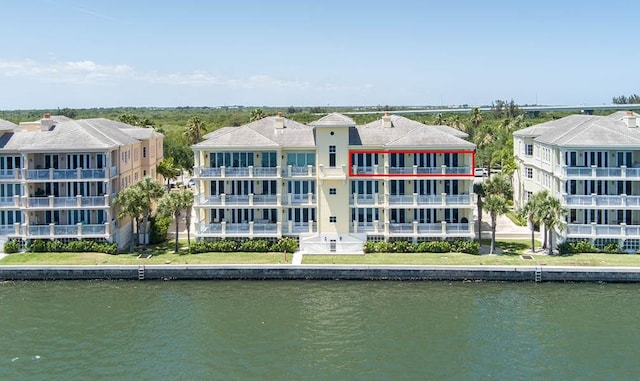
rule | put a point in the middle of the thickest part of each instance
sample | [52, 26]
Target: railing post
[289, 197]
[251, 199]
[375, 169]
[107, 228]
[415, 228]
[279, 227]
[223, 227]
[376, 198]
[593, 171]
[223, 171]
[78, 173]
[310, 198]
[623, 230]
[444, 199]
[79, 225]
[16, 228]
[278, 199]
[623, 171]
[290, 226]
[52, 229]
[415, 199]
[310, 226]
[443, 169]
[444, 227]
[623, 199]
[50, 173]
[78, 200]
[51, 201]
[223, 199]
[16, 201]
[415, 169]
[355, 199]
[593, 229]
[355, 226]
[594, 200]
[106, 200]
[251, 171]
[375, 226]
[309, 170]
[386, 228]
[251, 228]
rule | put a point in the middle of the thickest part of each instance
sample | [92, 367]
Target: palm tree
[193, 133]
[131, 203]
[499, 184]
[440, 120]
[256, 114]
[172, 204]
[496, 205]
[532, 211]
[553, 217]
[168, 169]
[151, 190]
[478, 189]
[456, 123]
[476, 117]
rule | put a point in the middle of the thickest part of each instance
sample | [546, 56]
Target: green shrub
[55, 246]
[255, 245]
[584, 247]
[286, 245]
[466, 246]
[403, 247]
[565, 248]
[434, 247]
[37, 246]
[159, 227]
[613, 248]
[11, 247]
[369, 247]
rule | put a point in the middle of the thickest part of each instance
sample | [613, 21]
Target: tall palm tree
[499, 184]
[478, 189]
[257, 114]
[496, 205]
[131, 202]
[553, 217]
[151, 190]
[171, 204]
[195, 128]
[532, 211]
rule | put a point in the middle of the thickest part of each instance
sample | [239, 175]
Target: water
[318, 331]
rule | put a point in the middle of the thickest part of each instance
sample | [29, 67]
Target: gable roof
[406, 133]
[334, 120]
[584, 131]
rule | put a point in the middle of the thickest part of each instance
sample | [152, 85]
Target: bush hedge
[43, 246]
[461, 246]
[159, 228]
[285, 244]
[11, 247]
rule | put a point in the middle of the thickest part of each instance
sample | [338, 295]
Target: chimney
[46, 123]
[279, 122]
[386, 120]
[630, 120]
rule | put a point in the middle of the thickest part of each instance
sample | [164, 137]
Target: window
[269, 159]
[301, 159]
[144, 151]
[332, 219]
[528, 149]
[332, 156]
[332, 190]
[528, 196]
[528, 171]
[144, 173]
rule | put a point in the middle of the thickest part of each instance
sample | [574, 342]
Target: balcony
[10, 174]
[443, 199]
[239, 200]
[594, 230]
[299, 171]
[238, 172]
[67, 202]
[366, 199]
[601, 201]
[333, 173]
[622, 172]
[238, 229]
[62, 231]
[10, 202]
[65, 174]
[299, 199]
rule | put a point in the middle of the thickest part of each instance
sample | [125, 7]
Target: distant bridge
[533, 110]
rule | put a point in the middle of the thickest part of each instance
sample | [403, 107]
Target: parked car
[481, 172]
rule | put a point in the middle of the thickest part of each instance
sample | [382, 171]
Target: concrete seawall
[324, 272]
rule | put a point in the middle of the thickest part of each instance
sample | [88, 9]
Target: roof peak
[334, 120]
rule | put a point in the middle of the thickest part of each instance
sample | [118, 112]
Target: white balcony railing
[601, 200]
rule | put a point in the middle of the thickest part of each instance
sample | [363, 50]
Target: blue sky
[73, 53]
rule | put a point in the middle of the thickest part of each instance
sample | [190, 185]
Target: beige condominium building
[333, 184]
[592, 164]
[59, 177]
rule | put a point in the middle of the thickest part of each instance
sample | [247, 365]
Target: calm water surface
[318, 331]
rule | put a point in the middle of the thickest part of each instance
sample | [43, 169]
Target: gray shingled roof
[261, 133]
[333, 120]
[70, 135]
[620, 115]
[584, 131]
[6, 125]
[405, 133]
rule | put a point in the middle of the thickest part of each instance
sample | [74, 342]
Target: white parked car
[481, 172]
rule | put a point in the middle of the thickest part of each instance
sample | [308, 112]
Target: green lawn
[162, 254]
